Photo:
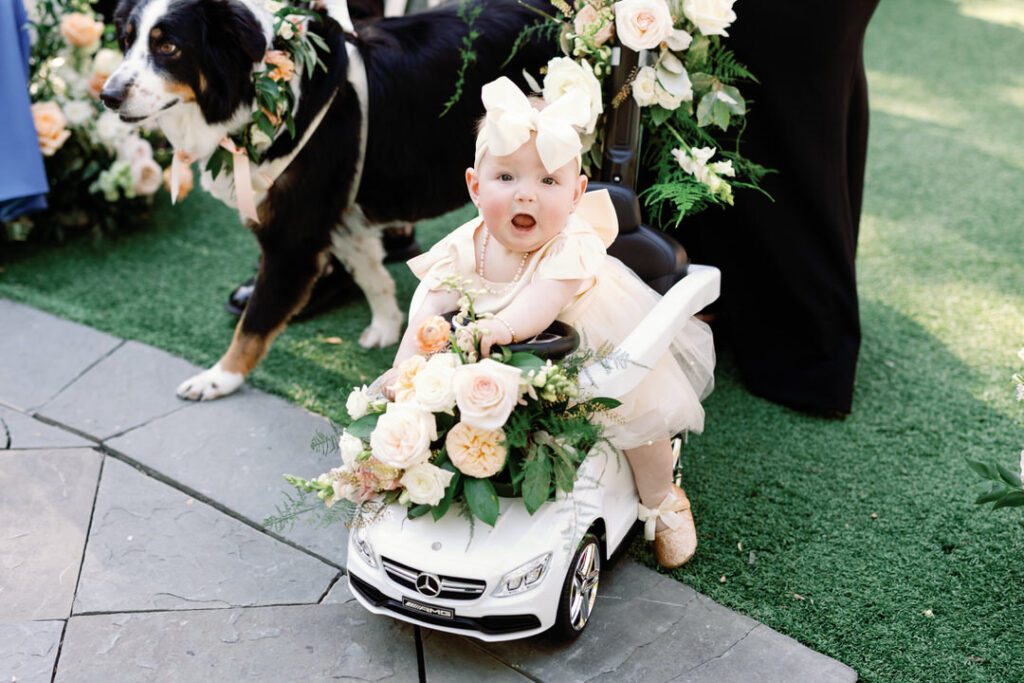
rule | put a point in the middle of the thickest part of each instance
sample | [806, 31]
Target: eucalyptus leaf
[697, 54]
[704, 108]
[738, 106]
[996, 492]
[1008, 475]
[482, 499]
[983, 469]
[537, 483]
[1014, 499]
[364, 426]
[660, 115]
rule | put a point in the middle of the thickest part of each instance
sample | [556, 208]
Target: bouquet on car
[462, 429]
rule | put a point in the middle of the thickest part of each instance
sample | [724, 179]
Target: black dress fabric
[789, 291]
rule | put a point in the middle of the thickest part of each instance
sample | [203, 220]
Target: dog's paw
[210, 384]
[379, 335]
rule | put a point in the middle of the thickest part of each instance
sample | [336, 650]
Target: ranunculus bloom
[486, 393]
[51, 127]
[407, 371]
[642, 24]
[432, 335]
[711, 17]
[476, 452]
[284, 66]
[403, 435]
[147, 176]
[426, 483]
[81, 30]
[186, 181]
[565, 74]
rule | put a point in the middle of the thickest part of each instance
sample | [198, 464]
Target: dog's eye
[168, 49]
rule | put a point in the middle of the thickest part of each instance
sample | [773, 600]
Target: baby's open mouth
[523, 221]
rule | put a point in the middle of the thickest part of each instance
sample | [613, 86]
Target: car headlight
[523, 578]
[363, 546]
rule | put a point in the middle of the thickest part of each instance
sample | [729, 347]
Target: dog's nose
[112, 98]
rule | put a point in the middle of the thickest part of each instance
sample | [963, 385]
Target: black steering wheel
[554, 343]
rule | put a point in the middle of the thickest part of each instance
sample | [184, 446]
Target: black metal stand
[421, 666]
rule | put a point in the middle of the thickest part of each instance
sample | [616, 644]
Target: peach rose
[186, 181]
[81, 30]
[642, 24]
[476, 452]
[432, 336]
[486, 392]
[284, 66]
[403, 436]
[407, 371]
[51, 127]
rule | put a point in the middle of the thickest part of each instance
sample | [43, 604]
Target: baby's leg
[675, 542]
[652, 471]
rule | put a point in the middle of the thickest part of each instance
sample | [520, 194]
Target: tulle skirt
[668, 400]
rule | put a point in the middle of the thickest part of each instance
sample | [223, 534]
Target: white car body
[389, 556]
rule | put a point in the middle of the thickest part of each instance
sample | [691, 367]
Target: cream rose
[147, 177]
[476, 452]
[407, 371]
[642, 24]
[81, 30]
[51, 127]
[565, 74]
[358, 403]
[426, 483]
[403, 435]
[711, 17]
[434, 388]
[351, 447]
[486, 393]
[644, 84]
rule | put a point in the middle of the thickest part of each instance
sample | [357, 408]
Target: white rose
[78, 112]
[711, 17]
[426, 483]
[434, 388]
[358, 403]
[351, 448]
[111, 130]
[403, 435]
[444, 360]
[644, 87]
[486, 393]
[642, 24]
[147, 176]
[565, 74]
[134, 148]
[106, 62]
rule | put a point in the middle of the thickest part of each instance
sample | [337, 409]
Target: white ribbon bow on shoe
[511, 118]
[650, 516]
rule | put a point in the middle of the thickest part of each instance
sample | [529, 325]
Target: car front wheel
[579, 591]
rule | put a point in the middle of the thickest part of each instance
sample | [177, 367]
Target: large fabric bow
[664, 512]
[511, 118]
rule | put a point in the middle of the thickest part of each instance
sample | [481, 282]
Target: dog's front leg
[358, 246]
[282, 289]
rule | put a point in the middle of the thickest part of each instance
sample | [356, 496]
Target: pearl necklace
[483, 257]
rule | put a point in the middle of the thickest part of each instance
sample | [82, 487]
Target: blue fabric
[23, 183]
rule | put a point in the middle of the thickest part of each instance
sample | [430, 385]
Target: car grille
[452, 587]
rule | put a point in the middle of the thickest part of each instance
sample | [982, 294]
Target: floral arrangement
[102, 173]
[295, 53]
[685, 85]
[1005, 488]
[461, 428]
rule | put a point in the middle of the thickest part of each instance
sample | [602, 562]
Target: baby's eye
[505, 177]
[549, 181]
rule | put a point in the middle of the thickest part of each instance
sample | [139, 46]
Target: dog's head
[180, 51]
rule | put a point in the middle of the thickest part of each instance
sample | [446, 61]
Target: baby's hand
[385, 381]
[493, 333]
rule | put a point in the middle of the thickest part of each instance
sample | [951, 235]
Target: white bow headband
[511, 118]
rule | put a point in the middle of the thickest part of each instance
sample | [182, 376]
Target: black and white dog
[188, 67]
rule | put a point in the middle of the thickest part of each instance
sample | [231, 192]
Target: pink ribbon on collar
[180, 164]
[243, 180]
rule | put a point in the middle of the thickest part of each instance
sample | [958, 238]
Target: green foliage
[1005, 488]
[481, 499]
[469, 11]
[540, 32]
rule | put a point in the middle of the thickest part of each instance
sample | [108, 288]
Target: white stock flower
[426, 483]
[78, 112]
[486, 393]
[111, 130]
[358, 403]
[147, 176]
[434, 388]
[351, 448]
[711, 17]
[403, 435]
[565, 74]
[724, 168]
[642, 24]
[644, 87]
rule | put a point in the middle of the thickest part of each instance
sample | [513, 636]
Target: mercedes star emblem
[428, 584]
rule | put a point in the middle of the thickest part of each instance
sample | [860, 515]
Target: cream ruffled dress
[610, 303]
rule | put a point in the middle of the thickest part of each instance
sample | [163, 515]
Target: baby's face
[522, 204]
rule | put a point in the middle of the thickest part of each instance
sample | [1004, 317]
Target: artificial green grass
[842, 534]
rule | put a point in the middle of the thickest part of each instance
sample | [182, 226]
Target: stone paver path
[132, 549]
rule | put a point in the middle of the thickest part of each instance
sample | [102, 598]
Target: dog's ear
[121, 14]
[233, 42]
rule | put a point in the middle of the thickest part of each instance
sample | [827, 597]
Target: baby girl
[537, 253]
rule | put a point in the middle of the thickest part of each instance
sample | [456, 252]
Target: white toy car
[529, 573]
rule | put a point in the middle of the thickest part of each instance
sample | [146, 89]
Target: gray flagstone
[153, 547]
[18, 431]
[28, 650]
[47, 501]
